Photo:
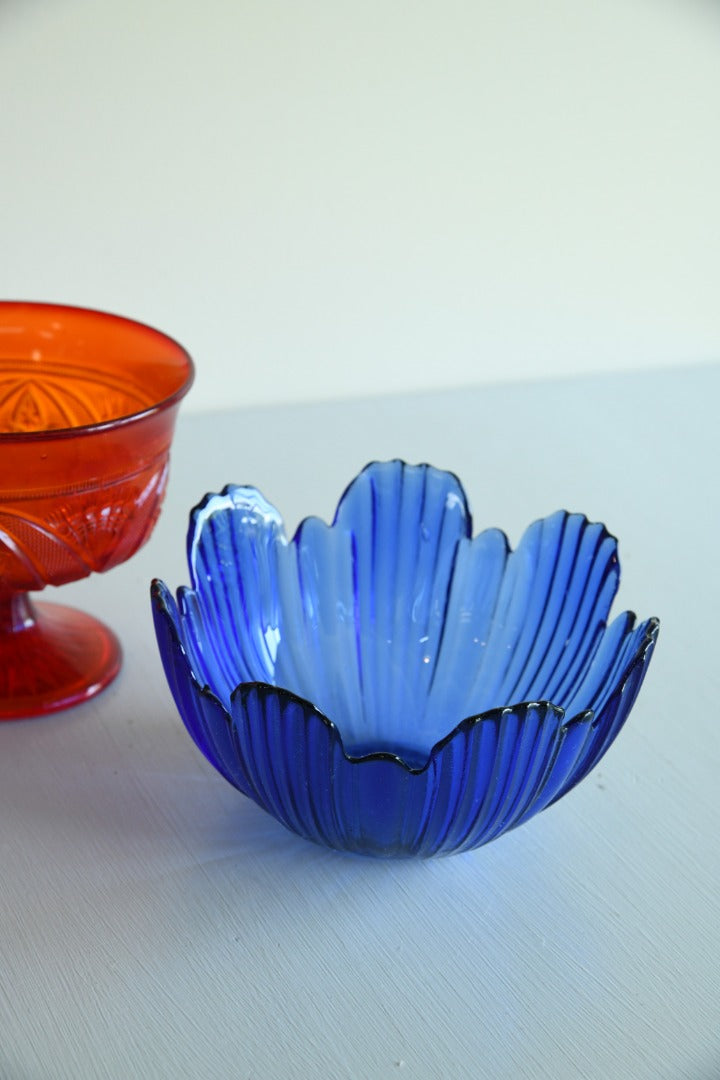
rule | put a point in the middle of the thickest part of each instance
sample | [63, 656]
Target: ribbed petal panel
[613, 701]
[231, 617]
[476, 582]
[202, 713]
[553, 602]
[294, 757]
[319, 659]
[400, 527]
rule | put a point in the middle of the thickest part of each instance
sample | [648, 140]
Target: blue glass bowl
[387, 684]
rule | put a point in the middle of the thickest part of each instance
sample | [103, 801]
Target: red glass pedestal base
[88, 403]
[51, 657]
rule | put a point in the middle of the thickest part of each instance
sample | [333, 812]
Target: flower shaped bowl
[387, 684]
[88, 403]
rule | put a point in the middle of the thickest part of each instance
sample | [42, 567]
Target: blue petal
[379, 587]
[612, 685]
[231, 616]
[614, 694]
[202, 713]
[456, 688]
[551, 609]
[486, 774]
[293, 755]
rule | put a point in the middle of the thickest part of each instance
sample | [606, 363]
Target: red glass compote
[88, 403]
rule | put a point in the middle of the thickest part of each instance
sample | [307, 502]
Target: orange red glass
[88, 403]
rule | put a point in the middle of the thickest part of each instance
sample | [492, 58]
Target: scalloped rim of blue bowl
[168, 614]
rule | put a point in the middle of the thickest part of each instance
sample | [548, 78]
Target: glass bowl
[387, 684]
[88, 403]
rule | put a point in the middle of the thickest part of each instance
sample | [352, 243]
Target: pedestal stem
[17, 612]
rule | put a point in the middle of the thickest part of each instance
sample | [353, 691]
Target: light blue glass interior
[393, 621]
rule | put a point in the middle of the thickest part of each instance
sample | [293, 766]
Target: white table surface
[154, 923]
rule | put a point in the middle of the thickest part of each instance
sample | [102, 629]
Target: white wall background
[328, 197]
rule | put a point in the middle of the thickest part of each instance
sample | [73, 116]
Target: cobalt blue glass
[389, 685]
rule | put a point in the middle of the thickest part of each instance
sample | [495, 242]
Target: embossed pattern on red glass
[88, 403]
